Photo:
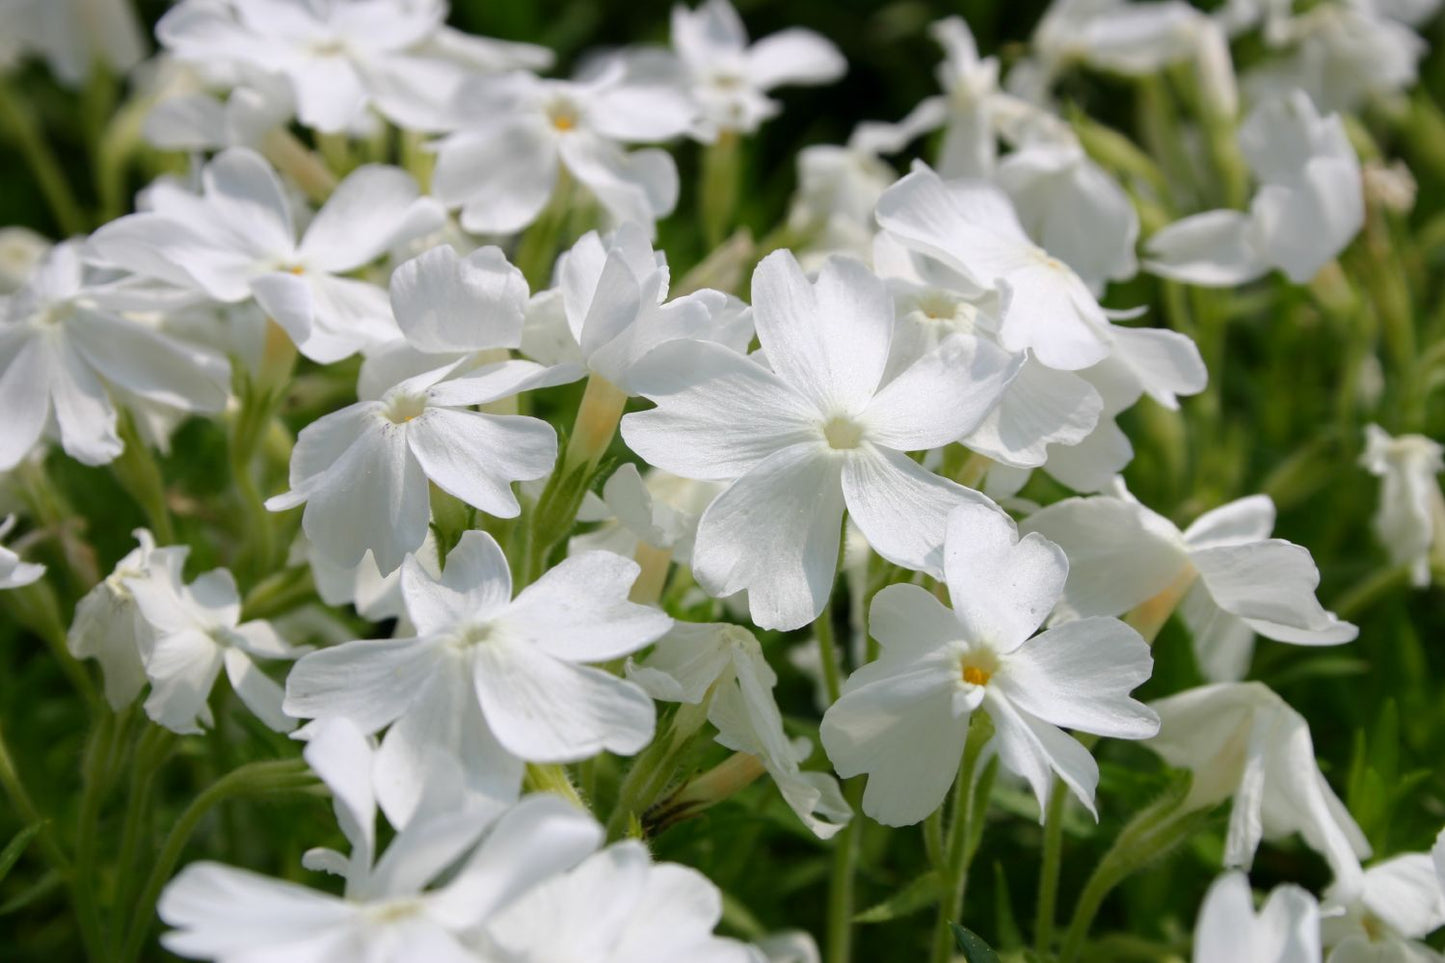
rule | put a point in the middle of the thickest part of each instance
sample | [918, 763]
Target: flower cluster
[518, 497]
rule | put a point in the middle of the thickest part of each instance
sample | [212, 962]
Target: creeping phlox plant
[465, 512]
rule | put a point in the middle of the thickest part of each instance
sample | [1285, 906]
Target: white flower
[108, 625]
[1308, 208]
[341, 57]
[195, 121]
[67, 357]
[813, 433]
[21, 249]
[1239, 580]
[724, 664]
[903, 720]
[362, 472]
[193, 630]
[1410, 514]
[13, 572]
[617, 906]
[489, 679]
[516, 134]
[660, 511]
[1286, 930]
[388, 914]
[1344, 54]
[1399, 902]
[730, 79]
[1042, 406]
[972, 228]
[1241, 740]
[76, 37]
[238, 240]
[1073, 209]
[614, 297]
[449, 308]
[1120, 36]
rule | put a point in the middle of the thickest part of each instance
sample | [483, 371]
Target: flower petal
[373, 209]
[445, 303]
[475, 584]
[579, 612]
[827, 339]
[941, 396]
[476, 456]
[370, 682]
[544, 709]
[718, 413]
[901, 507]
[901, 730]
[775, 532]
[1078, 675]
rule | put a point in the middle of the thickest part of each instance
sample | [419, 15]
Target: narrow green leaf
[972, 946]
[11, 854]
[922, 893]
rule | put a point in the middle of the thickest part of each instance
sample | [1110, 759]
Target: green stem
[1152, 834]
[94, 782]
[151, 752]
[1049, 869]
[256, 778]
[24, 805]
[553, 778]
[1370, 590]
[718, 191]
[538, 248]
[841, 882]
[139, 474]
[954, 872]
[21, 127]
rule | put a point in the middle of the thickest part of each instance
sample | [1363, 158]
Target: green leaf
[11, 855]
[923, 892]
[972, 946]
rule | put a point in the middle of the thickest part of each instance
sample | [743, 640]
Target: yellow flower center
[403, 408]
[973, 675]
[842, 433]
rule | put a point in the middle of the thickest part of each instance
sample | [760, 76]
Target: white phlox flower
[340, 57]
[237, 240]
[394, 909]
[75, 37]
[1344, 54]
[1398, 904]
[362, 472]
[660, 511]
[971, 227]
[450, 308]
[1041, 406]
[192, 632]
[69, 357]
[1125, 37]
[729, 78]
[813, 431]
[13, 572]
[108, 625]
[1411, 513]
[1242, 741]
[724, 665]
[488, 679]
[21, 249]
[1233, 578]
[195, 120]
[904, 719]
[516, 135]
[1286, 929]
[614, 298]
[375, 596]
[1073, 209]
[617, 906]
[1309, 206]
